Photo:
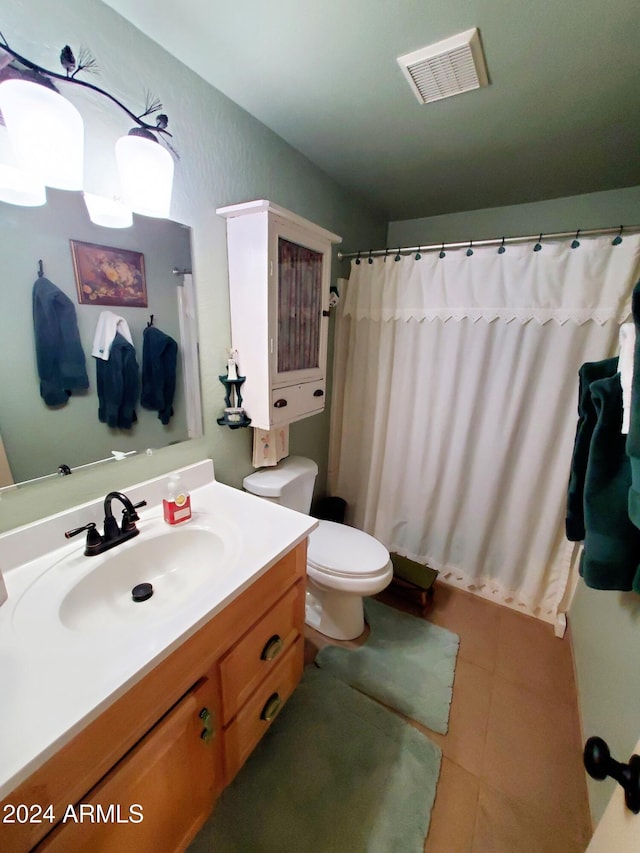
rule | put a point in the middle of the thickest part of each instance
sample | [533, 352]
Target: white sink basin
[93, 595]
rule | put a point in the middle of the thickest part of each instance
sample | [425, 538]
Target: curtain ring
[358, 260]
[470, 250]
[538, 245]
[618, 239]
[418, 255]
[386, 254]
[370, 258]
[442, 254]
[398, 257]
[575, 243]
[502, 249]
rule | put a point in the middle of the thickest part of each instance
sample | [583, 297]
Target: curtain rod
[494, 241]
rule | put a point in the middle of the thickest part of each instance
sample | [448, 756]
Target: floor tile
[506, 825]
[454, 811]
[529, 654]
[473, 619]
[531, 755]
[468, 719]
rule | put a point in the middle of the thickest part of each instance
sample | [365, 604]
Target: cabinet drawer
[259, 712]
[260, 650]
[294, 402]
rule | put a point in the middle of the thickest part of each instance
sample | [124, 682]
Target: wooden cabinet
[159, 795]
[279, 280]
[174, 740]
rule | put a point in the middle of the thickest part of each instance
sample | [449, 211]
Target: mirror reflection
[36, 438]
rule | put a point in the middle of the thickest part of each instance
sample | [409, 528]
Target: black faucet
[113, 535]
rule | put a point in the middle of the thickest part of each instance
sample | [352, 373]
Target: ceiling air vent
[446, 68]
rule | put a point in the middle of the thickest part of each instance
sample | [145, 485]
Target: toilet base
[337, 615]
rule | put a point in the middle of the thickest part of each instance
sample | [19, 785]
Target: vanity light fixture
[108, 212]
[46, 136]
[16, 185]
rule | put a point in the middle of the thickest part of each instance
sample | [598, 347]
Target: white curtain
[455, 405]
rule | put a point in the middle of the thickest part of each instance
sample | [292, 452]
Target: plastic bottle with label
[177, 504]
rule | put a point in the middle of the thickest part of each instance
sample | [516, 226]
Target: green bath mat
[335, 773]
[406, 663]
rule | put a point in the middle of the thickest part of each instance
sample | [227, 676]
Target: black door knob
[599, 764]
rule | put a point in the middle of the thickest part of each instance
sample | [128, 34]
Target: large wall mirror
[37, 439]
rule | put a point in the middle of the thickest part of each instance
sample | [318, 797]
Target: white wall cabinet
[279, 280]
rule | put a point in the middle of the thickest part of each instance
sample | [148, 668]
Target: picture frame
[108, 276]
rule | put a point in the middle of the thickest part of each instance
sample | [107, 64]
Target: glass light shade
[108, 212]
[46, 132]
[146, 175]
[16, 186]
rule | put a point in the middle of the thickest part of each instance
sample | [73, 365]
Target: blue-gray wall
[592, 210]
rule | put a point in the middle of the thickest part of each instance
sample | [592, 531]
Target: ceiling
[560, 117]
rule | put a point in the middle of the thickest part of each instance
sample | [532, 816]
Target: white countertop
[56, 680]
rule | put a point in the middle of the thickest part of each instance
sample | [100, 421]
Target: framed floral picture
[106, 276]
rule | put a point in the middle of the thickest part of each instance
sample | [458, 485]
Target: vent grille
[447, 68]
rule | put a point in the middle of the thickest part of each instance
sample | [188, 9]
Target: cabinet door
[159, 795]
[300, 301]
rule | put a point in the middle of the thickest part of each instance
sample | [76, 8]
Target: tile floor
[511, 779]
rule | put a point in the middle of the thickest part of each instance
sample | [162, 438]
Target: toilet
[343, 564]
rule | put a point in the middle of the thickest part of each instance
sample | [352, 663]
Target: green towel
[611, 543]
[588, 373]
[633, 438]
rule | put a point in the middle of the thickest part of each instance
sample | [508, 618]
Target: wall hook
[575, 243]
[40, 270]
[502, 249]
[599, 764]
[618, 238]
[538, 245]
[150, 323]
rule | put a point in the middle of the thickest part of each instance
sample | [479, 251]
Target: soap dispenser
[177, 504]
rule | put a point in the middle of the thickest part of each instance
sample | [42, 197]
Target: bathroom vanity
[120, 734]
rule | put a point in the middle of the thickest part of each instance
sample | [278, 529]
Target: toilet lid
[338, 549]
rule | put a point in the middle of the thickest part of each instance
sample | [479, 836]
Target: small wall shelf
[234, 415]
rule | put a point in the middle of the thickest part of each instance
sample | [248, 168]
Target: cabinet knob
[271, 708]
[281, 403]
[318, 392]
[273, 647]
[208, 731]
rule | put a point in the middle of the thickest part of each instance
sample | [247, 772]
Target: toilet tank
[290, 483]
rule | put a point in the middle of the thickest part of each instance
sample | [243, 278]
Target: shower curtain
[455, 405]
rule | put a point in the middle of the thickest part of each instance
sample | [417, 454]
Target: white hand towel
[270, 446]
[625, 365]
[109, 324]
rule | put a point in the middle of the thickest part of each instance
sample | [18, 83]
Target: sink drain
[142, 591]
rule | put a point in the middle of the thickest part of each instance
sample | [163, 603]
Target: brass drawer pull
[271, 708]
[273, 647]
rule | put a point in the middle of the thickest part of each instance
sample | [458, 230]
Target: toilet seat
[345, 552]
